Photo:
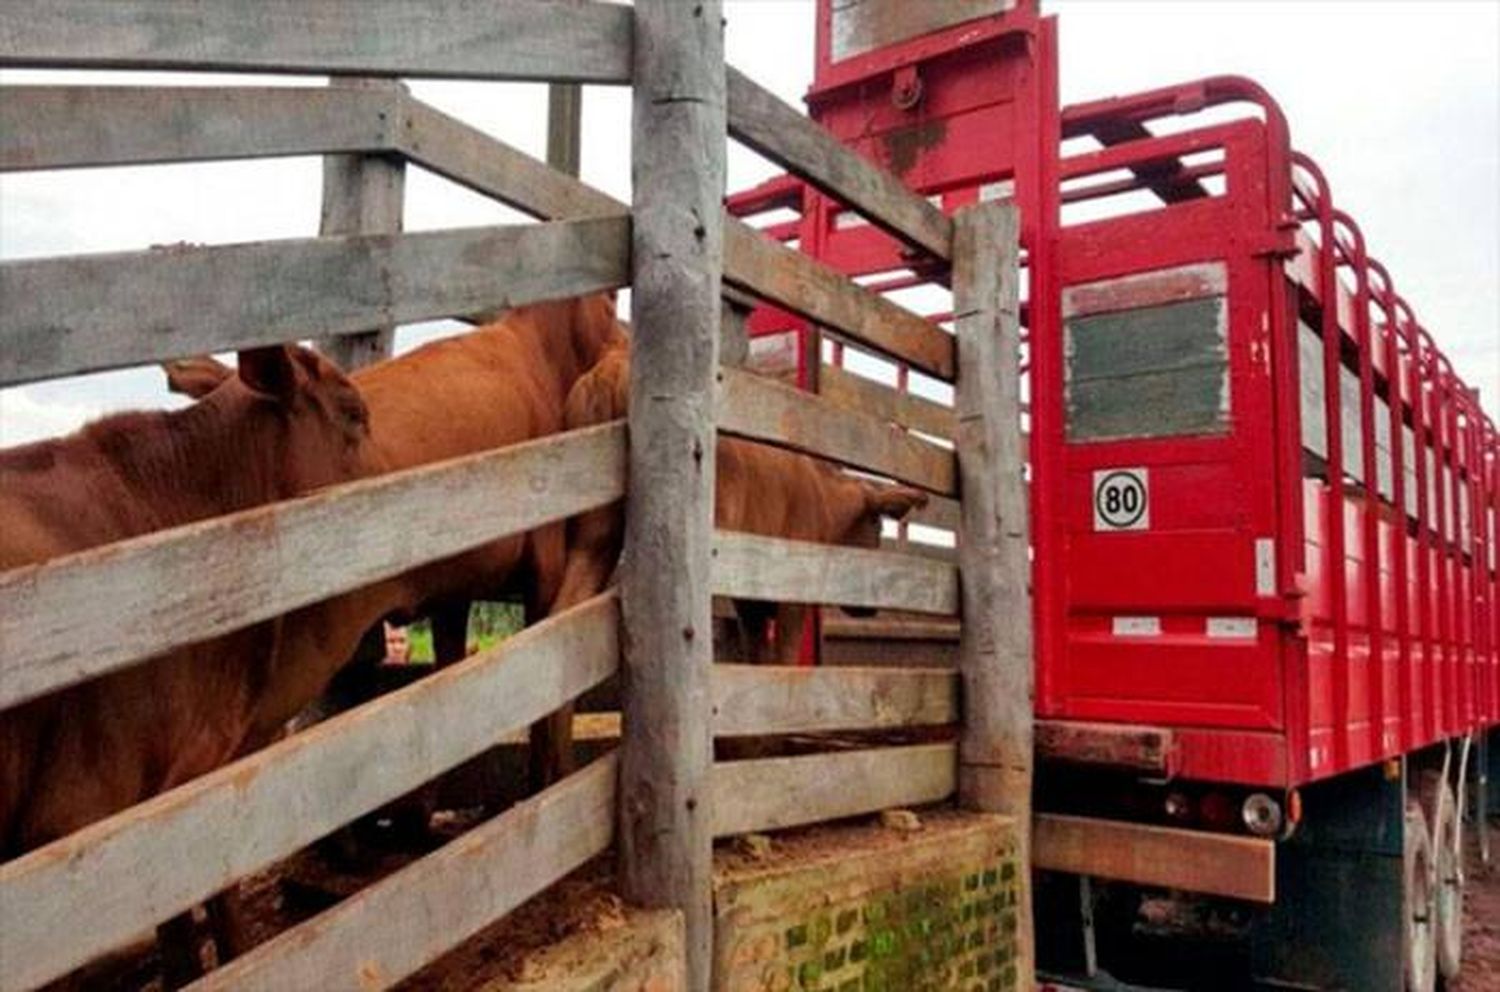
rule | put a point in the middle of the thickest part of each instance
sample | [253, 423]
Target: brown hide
[759, 489]
[288, 423]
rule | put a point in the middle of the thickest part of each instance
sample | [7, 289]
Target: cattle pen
[662, 799]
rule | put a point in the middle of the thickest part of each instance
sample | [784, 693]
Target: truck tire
[1448, 931]
[1418, 915]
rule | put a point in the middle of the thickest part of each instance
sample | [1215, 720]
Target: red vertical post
[1395, 394]
[1369, 505]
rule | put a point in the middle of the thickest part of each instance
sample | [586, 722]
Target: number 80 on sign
[1122, 499]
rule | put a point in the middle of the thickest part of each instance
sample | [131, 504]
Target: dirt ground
[304, 885]
[1482, 920]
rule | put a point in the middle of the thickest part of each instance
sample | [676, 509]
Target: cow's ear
[895, 501]
[195, 377]
[269, 371]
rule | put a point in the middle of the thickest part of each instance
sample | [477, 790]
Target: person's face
[397, 644]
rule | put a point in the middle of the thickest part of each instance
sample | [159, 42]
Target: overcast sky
[1399, 101]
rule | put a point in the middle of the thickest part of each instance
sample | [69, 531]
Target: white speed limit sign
[1122, 499]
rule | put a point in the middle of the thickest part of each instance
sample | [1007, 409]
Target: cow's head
[295, 401]
[880, 501]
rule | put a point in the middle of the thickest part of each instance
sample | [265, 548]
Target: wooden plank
[756, 407]
[854, 392]
[774, 793]
[69, 315]
[678, 156]
[774, 699]
[1152, 750]
[758, 265]
[86, 893]
[937, 552]
[63, 127]
[468, 156]
[792, 280]
[758, 118]
[80, 616]
[995, 740]
[565, 127]
[896, 628]
[1191, 860]
[940, 513]
[748, 566]
[363, 194]
[390, 930]
[523, 39]
[995, 640]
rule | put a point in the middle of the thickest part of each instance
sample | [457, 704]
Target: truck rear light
[1178, 806]
[1262, 815]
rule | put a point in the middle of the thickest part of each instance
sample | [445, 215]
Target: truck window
[1155, 369]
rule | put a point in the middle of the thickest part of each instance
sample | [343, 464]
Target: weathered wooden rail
[61, 622]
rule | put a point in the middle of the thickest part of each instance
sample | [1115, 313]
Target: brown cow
[499, 384]
[759, 489]
[288, 423]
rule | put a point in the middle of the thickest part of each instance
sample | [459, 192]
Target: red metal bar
[1395, 402]
[1370, 502]
[1334, 550]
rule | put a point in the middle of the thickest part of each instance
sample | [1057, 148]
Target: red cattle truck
[1263, 508]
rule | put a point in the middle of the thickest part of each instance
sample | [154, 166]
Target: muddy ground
[1482, 920]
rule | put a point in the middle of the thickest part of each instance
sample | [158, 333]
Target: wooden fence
[62, 622]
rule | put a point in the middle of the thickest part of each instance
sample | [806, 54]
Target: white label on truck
[1136, 626]
[1265, 567]
[1122, 499]
[1230, 628]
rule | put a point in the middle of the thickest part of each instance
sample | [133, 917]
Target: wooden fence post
[362, 194]
[995, 744]
[565, 127]
[678, 151]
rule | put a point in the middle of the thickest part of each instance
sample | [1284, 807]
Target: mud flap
[1337, 921]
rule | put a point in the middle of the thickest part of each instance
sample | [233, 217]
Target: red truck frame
[1264, 507]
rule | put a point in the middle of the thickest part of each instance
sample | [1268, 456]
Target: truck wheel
[1448, 931]
[1418, 910]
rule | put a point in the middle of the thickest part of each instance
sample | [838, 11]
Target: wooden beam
[799, 283]
[68, 315]
[754, 263]
[756, 407]
[565, 127]
[1151, 750]
[775, 793]
[401, 923]
[82, 895]
[891, 628]
[81, 616]
[854, 392]
[758, 118]
[908, 547]
[1191, 860]
[468, 156]
[363, 194]
[995, 645]
[748, 566]
[64, 127]
[556, 40]
[678, 153]
[995, 740]
[752, 700]
[941, 513]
